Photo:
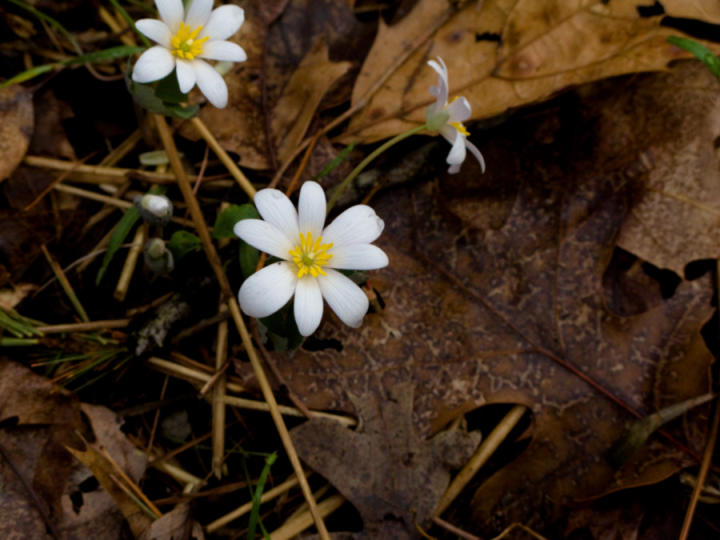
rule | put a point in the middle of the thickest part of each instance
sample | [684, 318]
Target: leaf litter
[544, 282]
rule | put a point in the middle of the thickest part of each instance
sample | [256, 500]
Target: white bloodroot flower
[185, 39]
[311, 256]
[448, 118]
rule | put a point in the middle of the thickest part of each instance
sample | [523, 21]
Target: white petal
[358, 224]
[223, 22]
[153, 64]
[308, 305]
[185, 75]
[441, 90]
[171, 12]
[475, 152]
[457, 153]
[311, 208]
[276, 208]
[459, 110]
[346, 299]
[156, 30]
[268, 290]
[198, 13]
[358, 257]
[211, 83]
[264, 236]
[223, 50]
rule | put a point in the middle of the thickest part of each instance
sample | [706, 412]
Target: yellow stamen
[185, 44]
[311, 256]
[458, 125]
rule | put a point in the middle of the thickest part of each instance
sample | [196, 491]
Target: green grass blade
[337, 160]
[257, 494]
[702, 53]
[40, 15]
[122, 230]
[113, 53]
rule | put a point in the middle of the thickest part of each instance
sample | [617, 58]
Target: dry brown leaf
[495, 286]
[503, 54]
[394, 478]
[11, 297]
[16, 127]
[299, 26]
[175, 524]
[672, 120]
[296, 107]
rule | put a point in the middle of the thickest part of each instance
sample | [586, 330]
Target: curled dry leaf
[494, 292]
[393, 477]
[672, 120]
[503, 54]
[16, 127]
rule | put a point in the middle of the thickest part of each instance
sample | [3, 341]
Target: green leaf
[183, 242]
[145, 96]
[249, 257]
[227, 219]
[113, 53]
[257, 494]
[168, 90]
[122, 230]
[28, 74]
[703, 54]
[97, 56]
[337, 160]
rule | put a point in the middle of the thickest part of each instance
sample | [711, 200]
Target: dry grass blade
[65, 284]
[305, 520]
[482, 454]
[216, 264]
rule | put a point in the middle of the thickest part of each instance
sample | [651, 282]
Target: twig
[136, 248]
[129, 482]
[216, 264]
[303, 521]
[83, 327]
[97, 174]
[453, 529]
[702, 475]
[65, 284]
[156, 417]
[253, 405]
[245, 508]
[481, 455]
[187, 373]
[218, 405]
[114, 201]
[234, 170]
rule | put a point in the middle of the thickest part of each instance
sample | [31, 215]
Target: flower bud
[154, 209]
[158, 257]
[437, 120]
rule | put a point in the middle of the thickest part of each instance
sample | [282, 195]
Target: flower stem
[364, 163]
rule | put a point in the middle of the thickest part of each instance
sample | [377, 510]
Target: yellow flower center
[458, 125]
[311, 256]
[184, 43]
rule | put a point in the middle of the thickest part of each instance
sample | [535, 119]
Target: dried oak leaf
[673, 120]
[274, 78]
[393, 477]
[511, 307]
[503, 54]
[16, 127]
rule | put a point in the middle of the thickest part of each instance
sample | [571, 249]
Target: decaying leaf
[502, 54]
[393, 477]
[16, 127]
[296, 107]
[175, 524]
[93, 513]
[671, 119]
[277, 78]
[495, 294]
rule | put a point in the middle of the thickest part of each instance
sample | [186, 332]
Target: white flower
[184, 38]
[448, 118]
[311, 254]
